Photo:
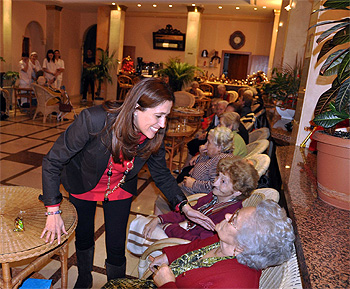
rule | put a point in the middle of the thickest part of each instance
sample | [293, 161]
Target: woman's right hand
[54, 225]
[150, 227]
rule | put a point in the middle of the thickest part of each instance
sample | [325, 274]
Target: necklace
[129, 167]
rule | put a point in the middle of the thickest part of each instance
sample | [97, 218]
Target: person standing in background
[25, 71]
[59, 69]
[35, 64]
[88, 76]
[49, 67]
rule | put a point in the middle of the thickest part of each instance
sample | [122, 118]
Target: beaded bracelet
[53, 213]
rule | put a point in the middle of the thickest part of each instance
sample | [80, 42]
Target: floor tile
[47, 133]
[20, 129]
[18, 145]
[26, 157]
[43, 149]
[144, 203]
[100, 251]
[30, 179]
[9, 169]
[53, 138]
[6, 137]
[48, 270]
[3, 155]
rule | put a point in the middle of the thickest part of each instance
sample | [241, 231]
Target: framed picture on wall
[169, 39]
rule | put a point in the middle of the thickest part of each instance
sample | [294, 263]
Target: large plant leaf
[328, 119]
[324, 100]
[330, 22]
[344, 66]
[342, 36]
[343, 98]
[340, 4]
[333, 60]
[326, 47]
[328, 32]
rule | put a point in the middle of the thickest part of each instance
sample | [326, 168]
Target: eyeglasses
[233, 219]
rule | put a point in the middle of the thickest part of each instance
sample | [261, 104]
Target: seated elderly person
[246, 242]
[247, 102]
[232, 121]
[222, 93]
[233, 107]
[195, 90]
[236, 179]
[201, 177]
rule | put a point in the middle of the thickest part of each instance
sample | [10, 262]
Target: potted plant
[283, 89]
[101, 70]
[179, 73]
[333, 107]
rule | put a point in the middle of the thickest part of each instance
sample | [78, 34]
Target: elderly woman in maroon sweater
[235, 181]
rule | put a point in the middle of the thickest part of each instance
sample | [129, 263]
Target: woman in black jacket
[98, 158]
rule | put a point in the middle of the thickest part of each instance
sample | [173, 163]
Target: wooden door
[238, 66]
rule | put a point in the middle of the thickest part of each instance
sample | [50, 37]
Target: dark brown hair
[147, 93]
[242, 174]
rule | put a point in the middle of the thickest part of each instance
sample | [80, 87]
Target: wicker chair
[43, 97]
[207, 89]
[261, 133]
[184, 99]
[261, 163]
[233, 95]
[8, 99]
[257, 147]
[125, 83]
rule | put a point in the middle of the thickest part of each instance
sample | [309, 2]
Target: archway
[34, 39]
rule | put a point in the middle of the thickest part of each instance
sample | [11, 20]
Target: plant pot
[285, 113]
[333, 170]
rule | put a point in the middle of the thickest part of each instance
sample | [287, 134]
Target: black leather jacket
[79, 158]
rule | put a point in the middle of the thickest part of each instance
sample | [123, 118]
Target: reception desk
[322, 231]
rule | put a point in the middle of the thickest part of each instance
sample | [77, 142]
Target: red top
[97, 193]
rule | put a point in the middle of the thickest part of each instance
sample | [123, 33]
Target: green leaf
[341, 36]
[330, 22]
[328, 119]
[340, 4]
[326, 47]
[333, 60]
[328, 32]
[324, 100]
[343, 98]
[345, 65]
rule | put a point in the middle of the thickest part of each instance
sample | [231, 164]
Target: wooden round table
[15, 246]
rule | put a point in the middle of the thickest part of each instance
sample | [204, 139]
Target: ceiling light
[220, 7]
[280, 24]
[113, 3]
[264, 7]
[193, 4]
[154, 5]
[139, 5]
[238, 8]
[288, 7]
[170, 5]
[255, 8]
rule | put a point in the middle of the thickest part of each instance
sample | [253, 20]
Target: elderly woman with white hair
[248, 241]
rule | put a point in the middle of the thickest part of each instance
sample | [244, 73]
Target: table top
[322, 231]
[16, 246]
[186, 112]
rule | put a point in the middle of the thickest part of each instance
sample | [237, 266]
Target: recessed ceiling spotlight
[154, 5]
[139, 5]
[280, 24]
[113, 3]
[238, 8]
[170, 5]
[193, 4]
[255, 8]
[220, 7]
[264, 7]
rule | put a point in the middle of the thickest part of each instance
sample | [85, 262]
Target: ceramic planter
[333, 170]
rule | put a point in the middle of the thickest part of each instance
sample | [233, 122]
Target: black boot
[114, 272]
[85, 260]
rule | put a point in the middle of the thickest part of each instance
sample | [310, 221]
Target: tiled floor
[23, 143]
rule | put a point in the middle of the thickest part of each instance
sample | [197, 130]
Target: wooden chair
[43, 97]
[8, 99]
[184, 99]
[24, 93]
[207, 89]
[124, 83]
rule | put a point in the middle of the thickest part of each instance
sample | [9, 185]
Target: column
[193, 34]
[53, 26]
[273, 42]
[115, 44]
[6, 38]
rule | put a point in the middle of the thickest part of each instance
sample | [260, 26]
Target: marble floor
[23, 143]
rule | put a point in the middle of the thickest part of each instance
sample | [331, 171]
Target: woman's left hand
[198, 218]
[163, 275]
[188, 182]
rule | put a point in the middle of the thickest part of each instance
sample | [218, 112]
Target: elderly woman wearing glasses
[247, 242]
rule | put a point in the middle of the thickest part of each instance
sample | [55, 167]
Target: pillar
[193, 34]
[116, 43]
[273, 41]
[53, 26]
[6, 38]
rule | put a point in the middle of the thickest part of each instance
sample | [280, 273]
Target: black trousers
[86, 83]
[116, 214]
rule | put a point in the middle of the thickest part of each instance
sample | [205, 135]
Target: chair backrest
[184, 99]
[257, 147]
[42, 94]
[7, 97]
[206, 87]
[261, 133]
[123, 79]
[261, 163]
[233, 95]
